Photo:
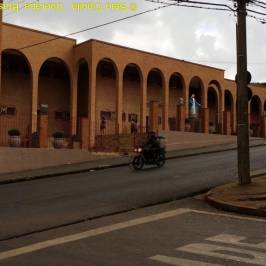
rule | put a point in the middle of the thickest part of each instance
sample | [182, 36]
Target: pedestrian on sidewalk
[133, 126]
[103, 125]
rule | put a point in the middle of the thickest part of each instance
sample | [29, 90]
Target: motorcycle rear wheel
[160, 160]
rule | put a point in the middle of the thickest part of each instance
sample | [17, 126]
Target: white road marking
[110, 228]
[257, 258]
[235, 240]
[180, 262]
[91, 233]
[253, 219]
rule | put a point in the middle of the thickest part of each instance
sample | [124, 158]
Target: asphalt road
[185, 232]
[41, 204]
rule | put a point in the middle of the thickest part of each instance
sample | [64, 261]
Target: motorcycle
[149, 157]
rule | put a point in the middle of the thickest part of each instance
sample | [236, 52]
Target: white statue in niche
[194, 106]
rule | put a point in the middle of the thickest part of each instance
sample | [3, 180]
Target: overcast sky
[201, 36]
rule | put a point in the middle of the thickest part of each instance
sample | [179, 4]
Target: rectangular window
[65, 116]
[132, 116]
[7, 110]
[106, 115]
[11, 110]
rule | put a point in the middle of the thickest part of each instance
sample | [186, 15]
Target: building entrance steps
[177, 140]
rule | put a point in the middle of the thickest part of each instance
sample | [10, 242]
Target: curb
[30, 178]
[97, 168]
[226, 206]
[209, 152]
[222, 205]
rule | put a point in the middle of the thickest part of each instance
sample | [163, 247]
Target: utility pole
[242, 97]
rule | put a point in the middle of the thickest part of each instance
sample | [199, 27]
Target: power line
[258, 2]
[205, 3]
[258, 5]
[95, 27]
[188, 5]
[261, 20]
[177, 3]
[256, 12]
[225, 62]
[98, 26]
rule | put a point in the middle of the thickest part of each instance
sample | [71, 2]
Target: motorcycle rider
[152, 145]
[152, 152]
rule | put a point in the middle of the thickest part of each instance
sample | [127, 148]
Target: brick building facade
[82, 83]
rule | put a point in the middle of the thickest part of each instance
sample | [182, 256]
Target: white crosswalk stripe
[222, 252]
[180, 262]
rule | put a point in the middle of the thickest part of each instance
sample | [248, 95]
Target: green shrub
[13, 132]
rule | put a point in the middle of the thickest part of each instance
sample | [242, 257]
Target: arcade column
[227, 123]
[84, 132]
[263, 126]
[165, 123]
[92, 105]
[180, 117]
[143, 105]
[43, 129]
[154, 114]
[73, 105]
[119, 104]
[34, 104]
[205, 120]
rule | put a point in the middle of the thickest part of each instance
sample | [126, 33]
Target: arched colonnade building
[94, 79]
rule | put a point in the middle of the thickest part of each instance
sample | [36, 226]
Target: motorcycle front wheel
[138, 162]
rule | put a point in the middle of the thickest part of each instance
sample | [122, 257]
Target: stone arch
[132, 81]
[155, 89]
[228, 101]
[229, 107]
[16, 52]
[176, 97]
[215, 85]
[106, 95]
[196, 87]
[213, 106]
[255, 116]
[54, 92]
[82, 92]
[16, 93]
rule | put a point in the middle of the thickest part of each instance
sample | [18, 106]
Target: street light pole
[242, 97]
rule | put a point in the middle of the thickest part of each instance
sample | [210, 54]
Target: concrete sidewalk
[249, 199]
[96, 162]
[24, 159]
